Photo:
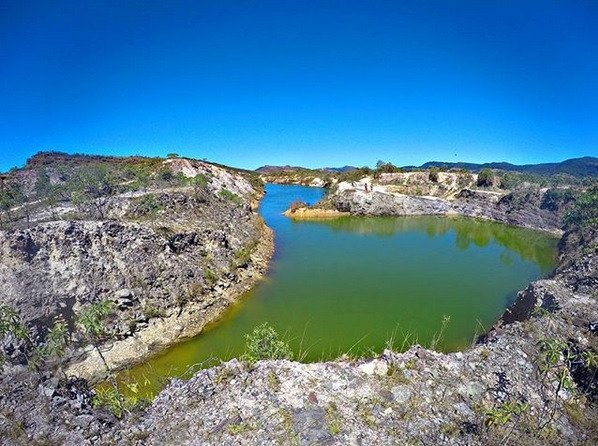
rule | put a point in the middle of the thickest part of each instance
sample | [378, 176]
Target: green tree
[43, 185]
[384, 167]
[11, 196]
[93, 187]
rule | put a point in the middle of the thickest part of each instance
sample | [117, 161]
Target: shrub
[555, 198]
[433, 174]
[150, 204]
[91, 318]
[355, 174]
[172, 155]
[199, 180]
[485, 178]
[265, 343]
[585, 209]
[230, 196]
[210, 277]
[11, 325]
[382, 167]
[464, 179]
[55, 345]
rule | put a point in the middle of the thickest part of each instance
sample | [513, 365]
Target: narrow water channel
[353, 284]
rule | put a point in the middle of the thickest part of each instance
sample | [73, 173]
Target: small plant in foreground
[265, 343]
[11, 325]
[333, 419]
[54, 346]
[438, 336]
[502, 414]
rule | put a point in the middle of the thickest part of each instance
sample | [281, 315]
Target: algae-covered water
[355, 284]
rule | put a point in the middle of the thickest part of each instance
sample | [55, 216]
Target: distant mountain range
[586, 166]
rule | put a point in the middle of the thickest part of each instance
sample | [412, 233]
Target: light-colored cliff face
[530, 208]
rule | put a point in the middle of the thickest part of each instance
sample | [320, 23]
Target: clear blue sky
[320, 83]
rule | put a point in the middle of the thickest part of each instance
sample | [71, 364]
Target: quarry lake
[354, 284]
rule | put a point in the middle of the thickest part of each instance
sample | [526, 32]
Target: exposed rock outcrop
[530, 209]
[169, 256]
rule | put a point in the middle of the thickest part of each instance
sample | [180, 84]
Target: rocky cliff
[530, 207]
[170, 255]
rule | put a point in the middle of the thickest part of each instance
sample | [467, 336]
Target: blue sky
[321, 83]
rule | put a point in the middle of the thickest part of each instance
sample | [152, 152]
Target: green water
[352, 284]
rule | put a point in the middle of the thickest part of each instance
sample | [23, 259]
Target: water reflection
[528, 244]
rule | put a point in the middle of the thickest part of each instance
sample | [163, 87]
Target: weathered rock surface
[500, 391]
[41, 410]
[170, 259]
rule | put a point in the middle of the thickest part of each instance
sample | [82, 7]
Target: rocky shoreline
[162, 333]
[532, 209]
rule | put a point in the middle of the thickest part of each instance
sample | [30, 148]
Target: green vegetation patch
[585, 209]
[264, 342]
[230, 196]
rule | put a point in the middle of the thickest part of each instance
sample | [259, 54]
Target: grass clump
[333, 419]
[230, 196]
[264, 342]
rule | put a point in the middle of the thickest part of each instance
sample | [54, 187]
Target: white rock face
[218, 177]
[317, 182]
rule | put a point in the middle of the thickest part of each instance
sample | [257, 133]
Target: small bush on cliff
[433, 174]
[485, 178]
[585, 209]
[265, 343]
[230, 196]
[54, 346]
[11, 326]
